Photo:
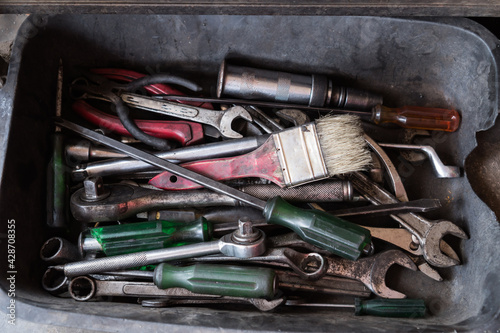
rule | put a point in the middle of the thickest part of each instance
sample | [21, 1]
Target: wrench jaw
[382, 264]
[227, 119]
[431, 243]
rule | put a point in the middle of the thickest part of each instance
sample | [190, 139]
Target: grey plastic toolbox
[433, 62]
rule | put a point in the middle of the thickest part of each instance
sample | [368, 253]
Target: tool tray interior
[443, 63]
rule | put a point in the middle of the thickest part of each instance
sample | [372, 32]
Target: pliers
[98, 86]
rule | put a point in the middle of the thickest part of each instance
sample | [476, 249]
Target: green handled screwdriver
[236, 281]
[144, 236]
[151, 235]
[331, 233]
[398, 308]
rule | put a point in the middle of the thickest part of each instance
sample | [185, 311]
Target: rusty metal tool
[330, 285]
[371, 270]
[96, 202]
[429, 233]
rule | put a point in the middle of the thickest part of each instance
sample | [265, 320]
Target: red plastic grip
[185, 132]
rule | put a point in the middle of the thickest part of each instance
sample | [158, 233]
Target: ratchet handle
[185, 132]
[398, 308]
[151, 235]
[418, 117]
[319, 228]
[262, 163]
[235, 281]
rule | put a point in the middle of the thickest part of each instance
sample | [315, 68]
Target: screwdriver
[398, 308]
[144, 236]
[426, 118]
[326, 231]
[224, 280]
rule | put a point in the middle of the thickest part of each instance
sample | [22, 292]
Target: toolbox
[445, 62]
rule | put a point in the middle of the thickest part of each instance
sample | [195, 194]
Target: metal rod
[262, 104]
[421, 205]
[165, 165]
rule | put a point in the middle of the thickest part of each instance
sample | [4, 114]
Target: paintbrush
[329, 146]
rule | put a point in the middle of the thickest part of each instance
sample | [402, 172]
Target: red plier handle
[155, 89]
[185, 132]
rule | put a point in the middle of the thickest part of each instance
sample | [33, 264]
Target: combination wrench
[84, 288]
[309, 266]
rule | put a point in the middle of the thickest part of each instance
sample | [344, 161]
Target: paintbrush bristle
[342, 143]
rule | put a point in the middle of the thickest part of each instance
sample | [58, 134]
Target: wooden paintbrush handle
[262, 162]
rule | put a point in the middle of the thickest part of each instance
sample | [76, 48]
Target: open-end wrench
[396, 236]
[429, 233]
[371, 270]
[221, 120]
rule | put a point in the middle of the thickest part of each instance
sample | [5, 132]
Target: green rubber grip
[250, 282]
[398, 308]
[152, 235]
[319, 228]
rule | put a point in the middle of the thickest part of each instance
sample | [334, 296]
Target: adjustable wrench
[83, 288]
[429, 233]
[221, 120]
